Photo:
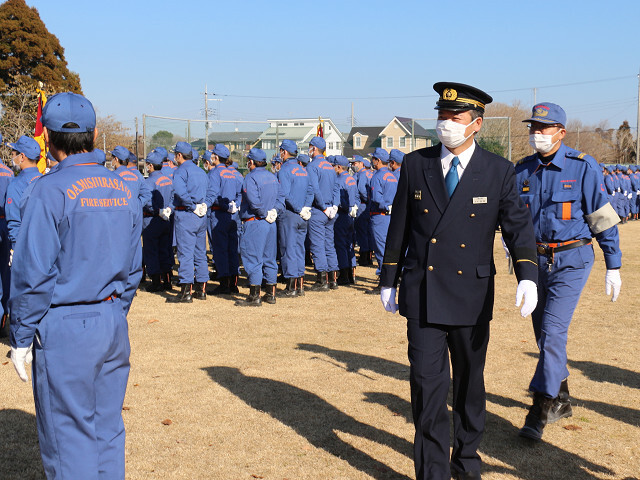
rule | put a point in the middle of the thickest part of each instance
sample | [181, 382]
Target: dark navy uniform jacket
[80, 208]
[444, 247]
[568, 201]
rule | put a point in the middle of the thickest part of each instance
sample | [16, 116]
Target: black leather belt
[549, 249]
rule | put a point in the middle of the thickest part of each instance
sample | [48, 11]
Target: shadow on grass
[20, 454]
[616, 412]
[501, 441]
[356, 362]
[313, 418]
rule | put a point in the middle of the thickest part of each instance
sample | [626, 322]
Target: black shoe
[222, 289]
[166, 281]
[465, 475]
[156, 284]
[537, 417]
[561, 407]
[184, 296]
[290, 289]
[364, 259]
[333, 280]
[253, 300]
[343, 278]
[321, 284]
[199, 291]
[300, 286]
[270, 295]
[233, 284]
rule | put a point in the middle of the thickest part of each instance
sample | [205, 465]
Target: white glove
[271, 215]
[10, 257]
[389, 209]
[630, 196]
[528, 290]
[353, 213]
[625, 193]
[200, 210]
[613, 194]
[328, 211]
[333, 210]
[305, 213]
[506, 250]
[612, 283]
[165, 214]
[388, 299]
[21, 356]
[638, 193]
[233, 208]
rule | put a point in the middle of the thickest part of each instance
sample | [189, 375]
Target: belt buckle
[543, 249]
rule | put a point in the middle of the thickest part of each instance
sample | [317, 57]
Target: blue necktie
[451, 180]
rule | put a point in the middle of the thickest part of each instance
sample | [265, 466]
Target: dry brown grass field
[318, 388]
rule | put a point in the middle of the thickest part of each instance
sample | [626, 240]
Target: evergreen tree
[29, 51]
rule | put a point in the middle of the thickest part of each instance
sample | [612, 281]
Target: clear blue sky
[138, 57]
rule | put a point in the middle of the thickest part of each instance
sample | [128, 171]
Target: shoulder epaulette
[525, 159]
[575, 154]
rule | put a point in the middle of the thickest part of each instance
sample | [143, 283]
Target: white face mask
[542, 143]
[451, 133]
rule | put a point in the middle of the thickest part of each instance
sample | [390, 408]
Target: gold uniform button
[462, 245]
[426, 210]
[459, 272]
[472, 215]
[430, 268]
[433, 240]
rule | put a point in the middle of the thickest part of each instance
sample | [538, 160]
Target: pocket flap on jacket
[568, 195]
[485, 270]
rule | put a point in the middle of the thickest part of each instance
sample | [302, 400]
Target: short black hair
[259, 164]
[187, 156]
[71, 143]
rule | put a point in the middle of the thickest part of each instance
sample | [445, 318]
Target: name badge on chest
[478, 200]
[417, 195]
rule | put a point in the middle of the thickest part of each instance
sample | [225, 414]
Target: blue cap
[276, 159]
[235, 165]
[548, 113]
[206, 156]
[257, 155]
[221, 151]
[120, 153]
[67, 107]
[381, 154]
[162, 151]
[102, 157]
[28, 146]
[618, 167]
[289, 146]
[171, 157]
[183, 148]
[154, 158]
[132, 157]
[341, 160]
[195, 154]
[396, 155]
[331, 159]
[304, 159]
[357, 158]
[366, 162]
[319, 143]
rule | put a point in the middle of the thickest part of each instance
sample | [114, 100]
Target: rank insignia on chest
[525, 189]
[567, 186]
[417, 195]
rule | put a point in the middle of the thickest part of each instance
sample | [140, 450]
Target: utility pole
[144, 135]
[136, 148]
[578, 140]
[104, 142]
[206, 119]
[535, 94]
[638, 125]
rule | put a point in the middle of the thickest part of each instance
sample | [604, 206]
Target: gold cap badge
[449, 94]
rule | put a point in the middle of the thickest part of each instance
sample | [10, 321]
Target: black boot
[184, 296]
[351, 272]
[300, 286]
[333, 280]
[166, 281]
[364, 260]
[537, 417]
[233, 284]
[562, 404]
[290, 289]
[253, 300]
[343, 279]
[156, 284]
[321, 284]
[270, 294]
[199, 291]
[223, 288]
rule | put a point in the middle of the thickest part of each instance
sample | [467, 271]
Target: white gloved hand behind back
[612, 283]
[528, 291]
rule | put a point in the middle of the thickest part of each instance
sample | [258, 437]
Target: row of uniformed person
[623, 186]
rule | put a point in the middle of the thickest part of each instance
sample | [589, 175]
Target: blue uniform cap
[195, 154]
[619, 167]
[366, 162]
[341, 160]
[381, 154]
[101, 155]
[548, 113]
[610, 169]
[319, 143]
[171, 157]
[67, 107]
[257, 155]
[331, 159]
[154, 158]
[221, 151]
[276, 159]
[182, 147]
[132, 157]
[206, 156]
[357, 158]
[26, 145]
[396, 155]
[162, 151]
[303, 158]
[120, 153]
[289, 146]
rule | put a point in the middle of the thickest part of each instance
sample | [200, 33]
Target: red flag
[38, 134]
[320, 129]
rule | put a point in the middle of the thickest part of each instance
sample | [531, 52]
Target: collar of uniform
[558, 159]
[317, 157]
[446, 157]
[28, 170]
[221, 165]
[79, 158]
